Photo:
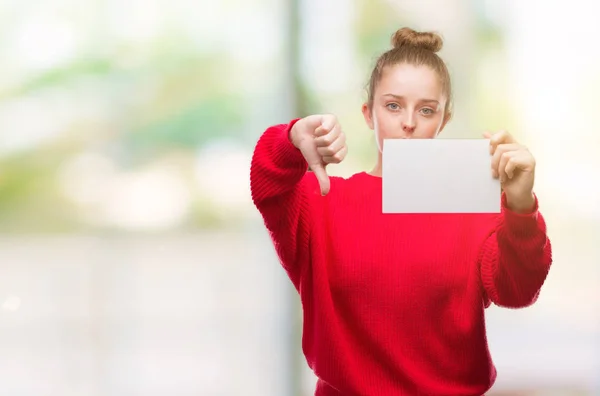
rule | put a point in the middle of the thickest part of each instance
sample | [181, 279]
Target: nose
[408, 125]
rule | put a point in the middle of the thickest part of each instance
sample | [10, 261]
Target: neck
[376, 171]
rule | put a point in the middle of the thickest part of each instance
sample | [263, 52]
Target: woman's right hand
[321, 141]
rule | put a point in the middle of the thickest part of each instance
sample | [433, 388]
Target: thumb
[487, 135]
[322, 178]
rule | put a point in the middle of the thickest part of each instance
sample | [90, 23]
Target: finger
[497, 156]
[488, 135]
[328, 123]
[505, 158]
[520, 160]
[495, 141]
[333, 147]
[511, 166]
[322, 178]
[320, 131]
[337, 157]
[502, 137]
[329, 138]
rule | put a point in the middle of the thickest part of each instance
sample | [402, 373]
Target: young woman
[394, 304]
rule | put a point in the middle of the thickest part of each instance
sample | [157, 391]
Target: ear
[368, 116]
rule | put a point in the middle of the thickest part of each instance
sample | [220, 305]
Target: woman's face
[408, 103]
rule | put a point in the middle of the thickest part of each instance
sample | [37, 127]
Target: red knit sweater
[393, 304]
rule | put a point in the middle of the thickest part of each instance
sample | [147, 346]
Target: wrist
[522, 205]
[292, 135]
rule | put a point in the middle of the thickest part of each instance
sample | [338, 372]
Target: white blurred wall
[165, 315]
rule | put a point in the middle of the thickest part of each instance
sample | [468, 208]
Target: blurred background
[132, 261]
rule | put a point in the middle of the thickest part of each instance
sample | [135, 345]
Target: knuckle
[330, 118]
[323, 151]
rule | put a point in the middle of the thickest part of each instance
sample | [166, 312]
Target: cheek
[387, 126]
[429, 127]
[431, 130]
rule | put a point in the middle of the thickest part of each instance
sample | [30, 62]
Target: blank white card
[439, 176]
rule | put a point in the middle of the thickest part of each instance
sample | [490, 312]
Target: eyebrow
[402, 97]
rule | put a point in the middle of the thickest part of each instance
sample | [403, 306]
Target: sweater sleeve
[278, 188]
[515, 258]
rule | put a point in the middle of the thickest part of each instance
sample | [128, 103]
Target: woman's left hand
[515, 166]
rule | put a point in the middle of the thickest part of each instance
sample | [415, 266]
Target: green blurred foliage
[29, 199]
[168, 98]
[163, 99]
[377, 23]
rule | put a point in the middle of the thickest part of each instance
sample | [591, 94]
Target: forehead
[405, 80]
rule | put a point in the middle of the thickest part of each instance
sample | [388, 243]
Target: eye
[427, 111]
[393, 106]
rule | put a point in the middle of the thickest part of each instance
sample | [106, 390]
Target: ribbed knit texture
[393, 304]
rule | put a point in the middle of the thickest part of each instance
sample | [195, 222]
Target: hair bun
[426, 40]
